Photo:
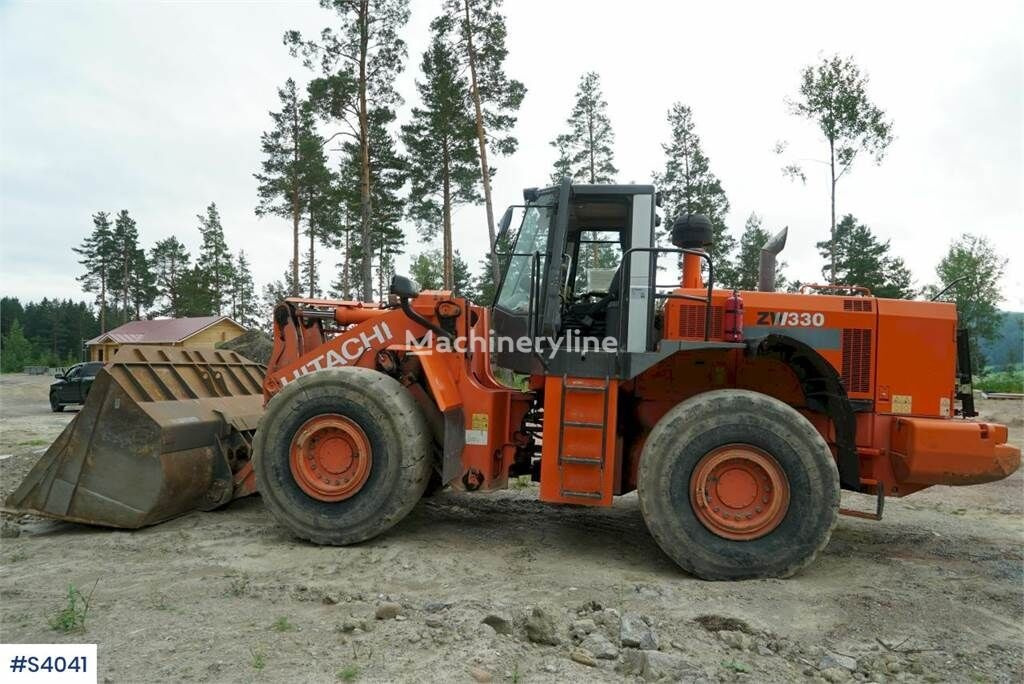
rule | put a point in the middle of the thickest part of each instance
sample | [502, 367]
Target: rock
[671, 666]
[581, 628]
[349, 626]
[583, 657]
[763, 650]
[387, 611]
[480, 675]
[434, 606]
[549, 667]
[541, 628]
[413, 638]
[600, 646]
[434, 621]
[255, 345]
[9, 531]
[499, 623]
[831, 659]
[635, 630]
[736, 640]
[632, 662]
[834, 674]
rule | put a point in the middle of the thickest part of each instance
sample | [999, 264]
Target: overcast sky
[158, 109]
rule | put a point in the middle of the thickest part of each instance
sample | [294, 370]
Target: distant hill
[1006, 348]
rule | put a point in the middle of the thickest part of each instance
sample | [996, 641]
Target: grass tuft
[71, 618]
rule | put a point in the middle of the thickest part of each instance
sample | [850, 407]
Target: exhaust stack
[766, 267]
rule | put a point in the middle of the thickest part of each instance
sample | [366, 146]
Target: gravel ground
[934, 592]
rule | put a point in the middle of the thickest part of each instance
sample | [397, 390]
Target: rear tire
[399, 452]
[773, 433]
[54, 405]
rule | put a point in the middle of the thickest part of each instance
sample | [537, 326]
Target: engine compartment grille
[856, 350]
[691, 321]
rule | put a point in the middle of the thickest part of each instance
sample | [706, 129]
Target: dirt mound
[255, 345]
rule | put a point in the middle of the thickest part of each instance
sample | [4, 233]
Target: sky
[158, 108]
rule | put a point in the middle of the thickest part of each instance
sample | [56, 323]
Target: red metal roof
[158, 330]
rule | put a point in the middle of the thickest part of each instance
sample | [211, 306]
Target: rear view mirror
[404, 288]
[59, 376]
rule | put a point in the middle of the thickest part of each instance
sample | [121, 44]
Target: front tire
[342, 455]
[55, 406]
[736, 485]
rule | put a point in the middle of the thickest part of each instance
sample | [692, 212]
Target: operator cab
[578, 269]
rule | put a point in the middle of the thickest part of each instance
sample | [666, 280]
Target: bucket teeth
[164, 431]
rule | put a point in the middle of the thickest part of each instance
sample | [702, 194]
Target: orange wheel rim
[330, 457]
[739, 492]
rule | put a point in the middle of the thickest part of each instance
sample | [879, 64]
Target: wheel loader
[737, 416]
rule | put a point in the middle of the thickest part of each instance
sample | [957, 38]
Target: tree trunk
[832, 234]
[295, 201]
[103, 303]
[366, 262]
[447, 271]
[481, 136]
[590, 134]
[312, 262]
[346, 275]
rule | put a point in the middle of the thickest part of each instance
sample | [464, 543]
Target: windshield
[532, 239]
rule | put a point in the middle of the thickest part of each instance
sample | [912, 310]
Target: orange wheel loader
[737, 416]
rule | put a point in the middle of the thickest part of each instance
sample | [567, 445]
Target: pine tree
[495, 97]
[748, 259]
[125, 248]
[688, 186]
[387, 175]
[358, 64]
[585, 151]
[441, 143]
[833, 94]
[214, 260]
[244, 308]
[426, 269]
[291, 147]
[97, 252]
[857, 257]
[142, 289]
[170, 261]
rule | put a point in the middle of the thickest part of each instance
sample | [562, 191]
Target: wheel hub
[739, 492]
[330, 457]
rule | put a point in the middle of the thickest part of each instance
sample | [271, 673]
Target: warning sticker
[479, 421]
[901, 403]
[476, 436]
[944, 406]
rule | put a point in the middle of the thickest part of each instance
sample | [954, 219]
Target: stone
[583, 657]
[434, 621]
[434, 606]
[581, 628]
[349, 626]
[600, 646]
[834, 674]
[480, 675]
[549, 667]
[671, 666]
[9, 531]
[635, 631]
[541, 628]
[499, 623]
[763, 650]
[632, 662]
[832, 659]
[387, 611]
[736, 640]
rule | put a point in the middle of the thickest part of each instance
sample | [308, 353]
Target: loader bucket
[163, 431]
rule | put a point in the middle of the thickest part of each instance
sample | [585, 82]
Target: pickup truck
[73, 385]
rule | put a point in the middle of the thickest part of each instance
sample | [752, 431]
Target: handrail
[835, 286]
[652, 285]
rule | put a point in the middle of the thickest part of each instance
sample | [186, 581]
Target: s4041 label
[791, 319]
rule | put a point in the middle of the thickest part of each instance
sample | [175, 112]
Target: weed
[349, 673]
[281, 624]
[71, 618]
[19, 555]
[521, 482]
[735, 666]
[515, 673]
[259, 658]
[239, 586]
[35, 442]
[159, 601]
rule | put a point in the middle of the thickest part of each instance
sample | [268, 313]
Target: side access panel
[579, 457]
